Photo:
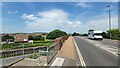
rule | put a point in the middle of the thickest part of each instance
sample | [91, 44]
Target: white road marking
[58, 62]
[79, 54]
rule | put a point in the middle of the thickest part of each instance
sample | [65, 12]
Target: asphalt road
[110, 42]
[95, 56]
[107, 42]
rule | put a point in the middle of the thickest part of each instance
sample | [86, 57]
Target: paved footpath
[31, 62]
[68, 52]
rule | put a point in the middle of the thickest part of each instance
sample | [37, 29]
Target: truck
[97, 35]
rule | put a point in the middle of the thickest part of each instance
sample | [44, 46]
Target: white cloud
[30, 17]
[12, 12]
[100, 23]
[69, 22]
[78, 22]
[54, 14]
[47, 20]
[83, 5]
[59, 19]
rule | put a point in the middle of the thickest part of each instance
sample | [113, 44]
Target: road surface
[95, 56]
[110, 42]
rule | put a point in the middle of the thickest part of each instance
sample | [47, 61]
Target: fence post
[23, 51]
[60, 44]
[33, 53]
[39, 60]
[11, 52]
[47, 56]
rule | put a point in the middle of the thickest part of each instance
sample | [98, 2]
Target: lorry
[92, 34]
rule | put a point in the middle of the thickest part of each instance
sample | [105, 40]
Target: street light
[109, 20]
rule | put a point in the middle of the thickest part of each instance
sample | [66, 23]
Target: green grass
[26, 45]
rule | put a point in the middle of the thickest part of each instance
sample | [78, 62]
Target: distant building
[21, 38]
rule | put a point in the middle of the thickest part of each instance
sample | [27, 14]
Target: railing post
[33, 53]
[39, 60]
[47, 56]
[23, 51]
[11, 54]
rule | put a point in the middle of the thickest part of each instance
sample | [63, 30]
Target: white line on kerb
[79, 55]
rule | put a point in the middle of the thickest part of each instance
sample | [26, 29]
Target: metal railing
[12, 53]
[49, 52]
[53, 50]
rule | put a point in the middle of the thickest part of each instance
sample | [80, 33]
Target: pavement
[94, 55]
[31, 62]
[26, 62]
[68, 52]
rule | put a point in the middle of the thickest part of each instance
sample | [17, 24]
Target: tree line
[115, 34]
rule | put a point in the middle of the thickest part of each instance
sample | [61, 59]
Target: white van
[92, 34]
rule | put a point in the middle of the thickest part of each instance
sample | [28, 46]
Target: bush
[75, 34]
[55, 34]
[105, 35]
[115, 33]
[36, 37]
[7, 38]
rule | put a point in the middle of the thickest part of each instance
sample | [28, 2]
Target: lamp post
[109, 19]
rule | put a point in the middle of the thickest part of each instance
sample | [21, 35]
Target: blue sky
[47, 16]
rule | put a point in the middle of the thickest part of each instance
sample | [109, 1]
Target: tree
[75, 34]
[105, 35]
[115, 33]
[7, 37]
[36, 37]
[85, 34]
[55, 34]
[30, 37]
